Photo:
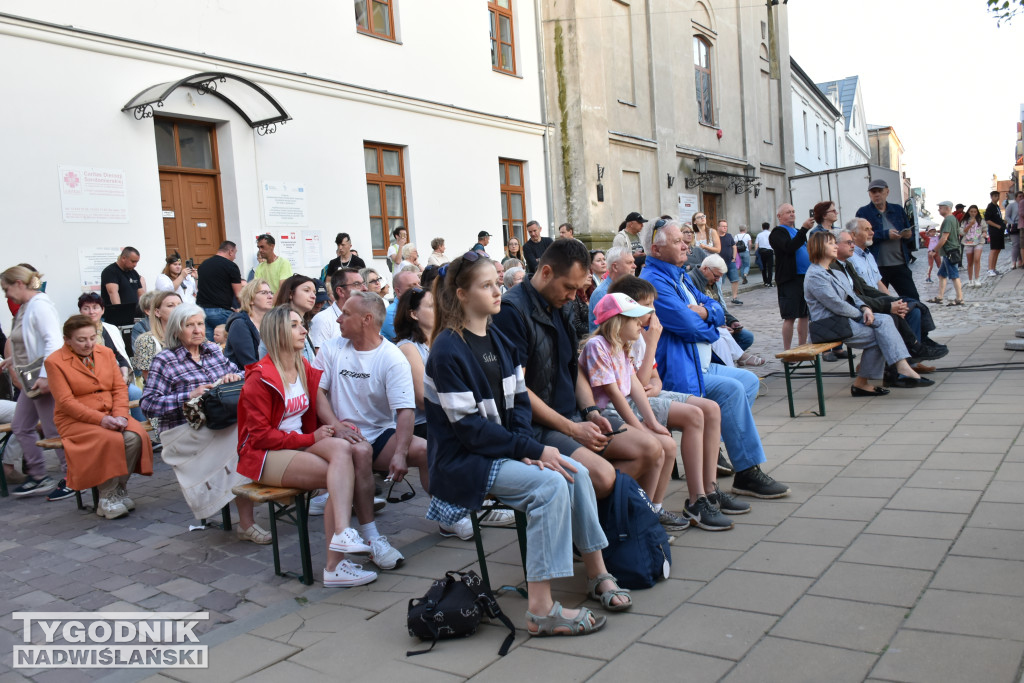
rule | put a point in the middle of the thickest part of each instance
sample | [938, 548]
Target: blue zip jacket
[677, 356]
[897, 217]
[469, 428]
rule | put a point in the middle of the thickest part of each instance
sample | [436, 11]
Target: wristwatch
[589, 409]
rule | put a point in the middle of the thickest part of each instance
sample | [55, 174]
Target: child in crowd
[932, 237]
[220, 336]
[699, 419]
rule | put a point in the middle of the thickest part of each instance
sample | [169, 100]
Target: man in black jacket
[996, 232]
[534, 247]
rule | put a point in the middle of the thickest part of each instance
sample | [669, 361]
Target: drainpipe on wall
[541, 72]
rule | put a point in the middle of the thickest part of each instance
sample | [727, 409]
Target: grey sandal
[578, 626]
[606, 598]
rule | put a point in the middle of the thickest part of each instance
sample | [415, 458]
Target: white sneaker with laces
[462, 528]
[348, 574]
[317, 504]
[383, 554]
[349, 542]
[992, 273]
[121, 493]
[500, 518]
[111, 508]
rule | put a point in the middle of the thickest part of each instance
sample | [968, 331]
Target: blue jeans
[914, 320]
[558, 514]
[744, 262]
[734, 390]
[214, 317]
[744, 338]
[134, 394]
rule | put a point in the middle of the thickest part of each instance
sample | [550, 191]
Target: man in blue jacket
[690, 322]
[892, 239]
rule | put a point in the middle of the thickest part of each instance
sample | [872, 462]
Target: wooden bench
[287, 505]
[794, 359]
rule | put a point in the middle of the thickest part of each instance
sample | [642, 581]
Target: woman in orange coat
[103, 444]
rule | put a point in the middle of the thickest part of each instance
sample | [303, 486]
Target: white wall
[67, 93]
[811, 154]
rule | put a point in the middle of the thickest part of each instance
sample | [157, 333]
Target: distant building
[845, 94]
[887, 151]
[818, 124]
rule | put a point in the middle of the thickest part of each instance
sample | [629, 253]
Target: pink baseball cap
[611, 305]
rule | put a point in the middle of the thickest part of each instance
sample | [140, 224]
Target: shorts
[381, 441]
[792, 304]
[732, 273]
[948, 270]
[660, 405]
[564, 443]
[971, 248]
[996, 238]
[274, 466]
[420, 430]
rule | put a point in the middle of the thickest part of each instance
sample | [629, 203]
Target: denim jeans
[745, 338]
[214, 317]
[551, 503]
[734, 390]
[744, 262]
[134, 394]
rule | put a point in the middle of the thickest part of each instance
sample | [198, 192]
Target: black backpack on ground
[453, 608]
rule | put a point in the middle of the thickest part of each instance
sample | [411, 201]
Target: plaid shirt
[173, 374]
[447, 513]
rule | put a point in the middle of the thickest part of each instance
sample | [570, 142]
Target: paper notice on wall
[288, 247]
[92, 195]
[312, 253]
[687, 206]
[284, 204]
[91, 262]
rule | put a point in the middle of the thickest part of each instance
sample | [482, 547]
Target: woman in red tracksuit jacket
[281, 444]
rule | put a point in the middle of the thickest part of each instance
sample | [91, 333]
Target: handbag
[29, 374]
[453, 608]
[955, 256]
[830, 329]
[638, 552]
[217, 408]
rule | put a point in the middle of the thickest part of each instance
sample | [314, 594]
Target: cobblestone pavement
[898, 556]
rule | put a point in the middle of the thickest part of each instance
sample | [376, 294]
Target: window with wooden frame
[702, 77]
[503, 50]
[385, 192]
[376, 18]
[513, 199]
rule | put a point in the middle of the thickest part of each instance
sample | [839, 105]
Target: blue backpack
[638, 553]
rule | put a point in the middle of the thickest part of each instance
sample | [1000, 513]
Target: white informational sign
[287, 246]
[284, 204]
[92, 195]
[687, 207]
[312, 253]
[91, 262]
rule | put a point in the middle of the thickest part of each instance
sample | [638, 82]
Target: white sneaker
[462, 528]
[317, 504]
[348, 574]
[501, 518]
[379, 504]
[383, 554]
[992, 273]
[349, 542]
[111, 508]
[121, 493]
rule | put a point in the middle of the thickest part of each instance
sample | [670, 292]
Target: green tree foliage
[1005, 10]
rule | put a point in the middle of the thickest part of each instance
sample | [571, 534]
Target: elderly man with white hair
[735, 339]
[690, 320]
[620, 262]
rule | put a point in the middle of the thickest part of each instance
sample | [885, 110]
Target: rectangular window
[385, 192]
[513, 199]
[376, 17]
[817, 140]
[503, 50]
[807, 139]
[824, 137]
[702, 78]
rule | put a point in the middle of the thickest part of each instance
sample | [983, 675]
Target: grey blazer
[826, 293]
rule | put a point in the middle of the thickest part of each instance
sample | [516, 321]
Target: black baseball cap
[878, 184]
[482, 234]
[635, 216]
[321, 291]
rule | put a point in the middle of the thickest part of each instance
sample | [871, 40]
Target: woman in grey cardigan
[830, 293]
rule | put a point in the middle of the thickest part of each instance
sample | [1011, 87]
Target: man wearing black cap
[892, 239]
[483, 238]
[628, 237]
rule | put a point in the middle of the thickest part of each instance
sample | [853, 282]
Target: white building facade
[852, 141]
[342, 117]
[818, 125]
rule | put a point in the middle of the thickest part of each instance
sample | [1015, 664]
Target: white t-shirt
[762, 240]
[296, 403]
[324, 326]
[366, 387]
[745, 238]
[186, 290]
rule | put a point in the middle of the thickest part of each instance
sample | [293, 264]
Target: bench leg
[3, 475]
[521, 532]
[302, 525]
[273, 505]
[789, 388]
[817, 380]
[225, 517]
[478, 539]
[78, 499]
[849, 359]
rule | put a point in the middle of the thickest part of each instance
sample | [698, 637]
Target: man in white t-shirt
[325, 327]
[368, 382]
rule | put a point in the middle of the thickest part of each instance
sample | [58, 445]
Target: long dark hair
[288, 287]
[967, 215]
[406, 327]
[448, 311]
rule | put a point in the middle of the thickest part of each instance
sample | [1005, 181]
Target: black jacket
[712, 291]
[243, 346]
[785, 251]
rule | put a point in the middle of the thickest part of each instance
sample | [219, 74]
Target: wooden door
[192, 216]
[710, 202]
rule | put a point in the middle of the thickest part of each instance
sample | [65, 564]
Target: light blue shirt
[388, 328]
[596, 296]
[865, 265]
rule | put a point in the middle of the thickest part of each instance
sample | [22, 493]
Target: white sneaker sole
[349, 583]
[391, 565]
[350, 548]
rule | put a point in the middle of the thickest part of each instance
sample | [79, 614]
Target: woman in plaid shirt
[204, 460]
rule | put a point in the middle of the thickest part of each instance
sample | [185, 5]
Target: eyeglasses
[687, 232]
[350, 285]
[408, 495]
[265, 291]
[373, 281]
[846, 242]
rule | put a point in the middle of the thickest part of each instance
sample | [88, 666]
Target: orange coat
[83, 398]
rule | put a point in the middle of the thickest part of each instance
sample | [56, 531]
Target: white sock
[657, 507]
[369, 531]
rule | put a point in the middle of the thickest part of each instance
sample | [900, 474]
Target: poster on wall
[284, 204]
[311, 249]
[92, 195]
[287, 246]
[687, 206]
[91, 262]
